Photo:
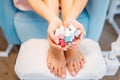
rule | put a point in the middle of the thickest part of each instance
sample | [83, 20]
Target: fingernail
[73, 73]
[73, 43]
[69, 43]
[57, 42]
[63, 76]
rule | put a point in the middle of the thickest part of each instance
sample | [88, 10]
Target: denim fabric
[30, 25]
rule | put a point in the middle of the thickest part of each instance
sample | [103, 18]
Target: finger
[77, 24]
[73, 45]
[76, 42]
[51, 34]
[82, 35]
[64, 48]
[59, 23]
[53, 45]
[53, 37]
[80, 26]
[70, 46]
[67, 46]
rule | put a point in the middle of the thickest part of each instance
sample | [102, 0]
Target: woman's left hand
[78, 26]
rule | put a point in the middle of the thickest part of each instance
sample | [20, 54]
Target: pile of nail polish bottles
[67, 35]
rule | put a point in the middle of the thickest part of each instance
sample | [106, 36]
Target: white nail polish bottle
[72, 28]
[67, 32]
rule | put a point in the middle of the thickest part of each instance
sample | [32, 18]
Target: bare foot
[74, 60]
[56, 62]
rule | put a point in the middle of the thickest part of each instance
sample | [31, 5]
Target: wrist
[55, 22]
[52, 18]
[68, 21]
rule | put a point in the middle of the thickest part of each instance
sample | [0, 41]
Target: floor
[7, 63]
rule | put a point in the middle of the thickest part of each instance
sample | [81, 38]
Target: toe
[71, 69]
[76, 67]
[48, 64]
[82, 64]
[59, 72]
[63, 71]
[51, 68]
[84, 60]
[55, 71]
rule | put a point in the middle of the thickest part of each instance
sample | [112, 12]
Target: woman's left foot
[74, 60]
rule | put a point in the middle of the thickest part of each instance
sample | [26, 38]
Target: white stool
[31, 61]
[114, 8]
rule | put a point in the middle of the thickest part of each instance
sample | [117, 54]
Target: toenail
[73, 73]
[51, 71]
[63, 76]
[77, 70]
[55, 74]
[48, 64]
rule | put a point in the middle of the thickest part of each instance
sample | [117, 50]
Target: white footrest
[31, 61]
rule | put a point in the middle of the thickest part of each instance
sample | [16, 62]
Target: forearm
[76, 9]
[42, 9]
[66, 7]
[53, 6]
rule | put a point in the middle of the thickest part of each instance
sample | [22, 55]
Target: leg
[66, 7]
[56, 59]
[74, 58]
[56, 62]
[53, 5]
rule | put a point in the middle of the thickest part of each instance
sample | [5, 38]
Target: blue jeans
[30, 25]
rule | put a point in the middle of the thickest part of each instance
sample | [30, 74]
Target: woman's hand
[78, 26]
[52, 39]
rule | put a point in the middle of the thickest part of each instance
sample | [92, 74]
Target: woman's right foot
[56, 62]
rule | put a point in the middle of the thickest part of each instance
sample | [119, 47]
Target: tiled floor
[7, 64]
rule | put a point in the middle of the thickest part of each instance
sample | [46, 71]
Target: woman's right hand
[52, 39]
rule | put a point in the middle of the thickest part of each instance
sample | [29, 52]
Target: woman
[73, 12]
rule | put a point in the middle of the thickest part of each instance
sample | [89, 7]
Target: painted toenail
[49, 64]
[73, 73]
[63, 76]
